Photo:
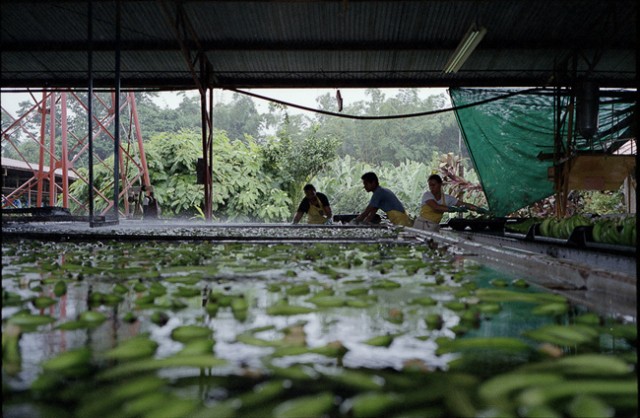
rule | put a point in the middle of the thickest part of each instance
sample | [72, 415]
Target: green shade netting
[505, 137]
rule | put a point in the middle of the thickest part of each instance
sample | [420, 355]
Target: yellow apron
[315, 214]
[399, 218]
[431, 215]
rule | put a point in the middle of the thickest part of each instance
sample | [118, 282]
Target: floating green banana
[187, 333]
[563, 334]
[380, 340]
[133, 349]
[551, 309]
[586, 405]
[312, 406]
[286, 309]
[126, 369]
[28, 320]
[481, 343]
[597, 365]
[60, 288]
[70, 362]
[328, 301]
[553, 391]
[373, 404]
[499, 388]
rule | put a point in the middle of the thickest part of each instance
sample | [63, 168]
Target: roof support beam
[240, 46]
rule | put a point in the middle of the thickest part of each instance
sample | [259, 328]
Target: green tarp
[505, 137]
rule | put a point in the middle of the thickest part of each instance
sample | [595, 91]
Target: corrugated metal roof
[319, 43]
[33, 167]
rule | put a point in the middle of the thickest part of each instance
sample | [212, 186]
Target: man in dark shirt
[315, 205]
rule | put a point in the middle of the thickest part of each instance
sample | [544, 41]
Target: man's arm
[327, 210]
[297, 217]
[367, 215]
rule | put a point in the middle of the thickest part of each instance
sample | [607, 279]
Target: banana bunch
[522, 227]
[562, 228]
[620, 231]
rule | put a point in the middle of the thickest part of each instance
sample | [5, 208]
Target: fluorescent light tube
[470, 41]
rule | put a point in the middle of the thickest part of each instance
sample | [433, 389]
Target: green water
[204, 329]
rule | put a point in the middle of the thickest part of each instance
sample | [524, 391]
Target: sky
[305, 97]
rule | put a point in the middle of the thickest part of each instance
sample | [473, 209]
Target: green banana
[146, 365]
[92, 317]
[317, 405]
[356, 380]
[423, 301]
[551, 309]
[499, 387]
[60, 288]
[434, 321]
[240, 307]
[481, 343]
[42, 302]
[598, 365]
[454, 305]
[563, 334]
[120, 289]
[328, 301]
[298, 290]
[197, 347]
[136, 387]
[359, 303]
[359, 291]
[551, 392]
[69, 363]
[27, 320]
[520, 283]
[628, 229]
[262, 393]
[187, 333]
[373, 404]
[11, 356]
[286, 309]
[596, 232]
[133, 349]
[386, 284]
[380, 340]
[585, 405]
[545, 227]
[333, 349]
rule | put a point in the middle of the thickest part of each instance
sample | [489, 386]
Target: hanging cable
[407, 115]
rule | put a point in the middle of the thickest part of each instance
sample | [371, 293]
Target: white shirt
[448, 199]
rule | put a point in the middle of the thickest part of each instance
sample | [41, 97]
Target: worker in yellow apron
[315, 205]
[384, 199]
[435, 203]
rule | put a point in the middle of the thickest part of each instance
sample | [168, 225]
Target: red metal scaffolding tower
[56, 148]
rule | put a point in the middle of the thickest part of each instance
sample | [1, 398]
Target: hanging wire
[385, 117]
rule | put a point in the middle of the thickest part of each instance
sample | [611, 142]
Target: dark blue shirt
[386, 200]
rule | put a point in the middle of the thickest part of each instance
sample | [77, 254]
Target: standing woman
[315, 205]
[435, 203]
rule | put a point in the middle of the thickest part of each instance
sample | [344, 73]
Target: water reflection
[353, 292]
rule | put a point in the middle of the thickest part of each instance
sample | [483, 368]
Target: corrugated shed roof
[319, 43]
[33, 167]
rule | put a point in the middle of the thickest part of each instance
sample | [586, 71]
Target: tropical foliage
[262, 161]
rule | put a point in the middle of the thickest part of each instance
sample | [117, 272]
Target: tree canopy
[262, 161]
